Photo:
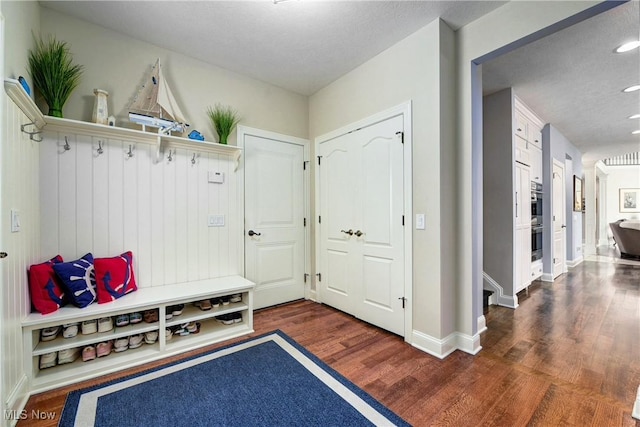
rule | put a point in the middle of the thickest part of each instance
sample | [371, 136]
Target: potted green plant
[224, 120]
[53, 72]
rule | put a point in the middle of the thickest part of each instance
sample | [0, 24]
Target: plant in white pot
[53, 72]
[224, 120]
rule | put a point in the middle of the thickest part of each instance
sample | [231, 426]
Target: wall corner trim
[482, 324]
[574, 262]
[510, 301]
[441, 348]
[17, 399]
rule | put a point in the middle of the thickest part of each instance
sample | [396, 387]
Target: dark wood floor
[569, 355]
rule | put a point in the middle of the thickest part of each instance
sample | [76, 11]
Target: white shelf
[80, 340]
[156, 298]
[20, 97]
[134, 135]
[193, 314]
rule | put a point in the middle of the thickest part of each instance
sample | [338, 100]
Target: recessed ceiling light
[628, 46]
[635, 116]
[636, 132]
[632, 88]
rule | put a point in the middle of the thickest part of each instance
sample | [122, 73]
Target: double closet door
[361, 230]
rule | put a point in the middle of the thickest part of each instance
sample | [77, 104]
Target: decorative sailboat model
[155, 106]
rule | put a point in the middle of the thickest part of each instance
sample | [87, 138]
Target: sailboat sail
[155, 105]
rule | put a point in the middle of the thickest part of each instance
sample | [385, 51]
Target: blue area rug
[265, 381]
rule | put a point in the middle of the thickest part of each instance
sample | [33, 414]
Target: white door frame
[563, 209]
[404, 110]
[244, 131]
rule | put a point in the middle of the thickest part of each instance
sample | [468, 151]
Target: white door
[362, 242]
[522, 246]
[274, 219]
[559, 225]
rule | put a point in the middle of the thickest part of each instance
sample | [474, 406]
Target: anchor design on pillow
[50, 287]
[120, 289]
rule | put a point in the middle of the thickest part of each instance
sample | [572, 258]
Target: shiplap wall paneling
[19, 191]
[112, 202]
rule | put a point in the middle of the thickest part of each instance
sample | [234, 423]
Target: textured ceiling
[298, 45]
[574, 80]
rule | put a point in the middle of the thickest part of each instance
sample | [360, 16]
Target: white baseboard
[510, 301]
[636, 407]
[547, 277]
[574, 262]
[441, 348]
[482, 324]
[17, 399]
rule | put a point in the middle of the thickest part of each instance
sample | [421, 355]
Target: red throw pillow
[114, 277]
[47, 294]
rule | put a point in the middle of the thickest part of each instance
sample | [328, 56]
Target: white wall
[118, 64]
[419, 69]
[109, 203]
[19, 190]
[620, 177]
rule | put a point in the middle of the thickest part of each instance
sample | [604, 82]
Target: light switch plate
[15, 220]
[216, 221]
[420, 222]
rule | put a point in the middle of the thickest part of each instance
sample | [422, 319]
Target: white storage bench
[160, 297]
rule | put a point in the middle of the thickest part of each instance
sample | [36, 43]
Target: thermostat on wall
[216, 177]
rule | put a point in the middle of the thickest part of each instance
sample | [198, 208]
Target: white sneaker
[136, 341]
[89, 327]
[121, 344]
[48, 360]
[49, 334]
[68, 355]
[70, 330]
[105, 324]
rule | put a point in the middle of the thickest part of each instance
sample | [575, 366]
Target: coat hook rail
[24, 126]
[33, 138]
[130, 152]
[170, 155]
[66, 146]
[99, 150]
[194, 158]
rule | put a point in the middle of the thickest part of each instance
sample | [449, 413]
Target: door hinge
[305, 277]
[304, 165]
[319, 277]
[403, 300]
[304, 222]
[401, 136]
[319, 157]
[319, 219]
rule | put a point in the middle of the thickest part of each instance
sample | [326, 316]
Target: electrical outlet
[215, 177]
[420, 222]
[216, 221]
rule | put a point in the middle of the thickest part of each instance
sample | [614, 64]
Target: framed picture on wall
[630, 200]
[577, 194]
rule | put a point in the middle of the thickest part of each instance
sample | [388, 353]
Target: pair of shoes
[89, 327]
[192, 327]
[230, 318]
[174, 310]
[122, 320]
[225, 300]
[151, 337]
[70, 330]
[236, 298]
[151, 316]
[168, 334]
[204, 305]
[104, 348]
[88, 353]
[136, 341]
[68, 355]
[180, 330]
[215, 302]
[48, 360]
[49, 334]
[105, 324]
[135, 318]
[121, 344]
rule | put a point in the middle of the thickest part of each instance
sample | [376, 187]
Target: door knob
[359, 233]
[350, 232]
[253, 233]
[563, 226]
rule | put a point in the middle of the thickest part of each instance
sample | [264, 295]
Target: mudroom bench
[227, 320]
